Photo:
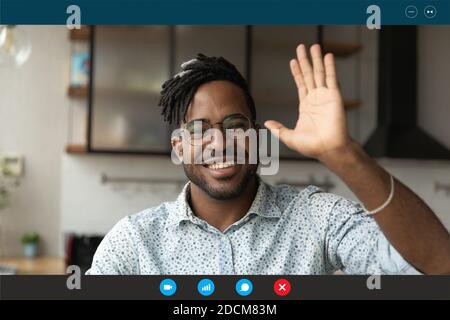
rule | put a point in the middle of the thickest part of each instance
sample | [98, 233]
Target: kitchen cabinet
[129, 65]
[272, 86]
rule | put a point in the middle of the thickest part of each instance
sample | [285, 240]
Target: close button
[430, 12]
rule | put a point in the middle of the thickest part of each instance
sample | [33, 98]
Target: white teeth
[216, 166]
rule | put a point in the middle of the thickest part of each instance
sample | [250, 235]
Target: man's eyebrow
[198, 119]
[234, 114]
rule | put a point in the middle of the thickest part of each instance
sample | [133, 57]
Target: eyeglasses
[235, 123]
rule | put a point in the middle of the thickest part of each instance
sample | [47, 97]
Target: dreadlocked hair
[177, 92]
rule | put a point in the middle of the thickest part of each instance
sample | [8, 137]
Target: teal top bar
[224, 11]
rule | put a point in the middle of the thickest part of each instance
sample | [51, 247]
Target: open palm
[321, 126]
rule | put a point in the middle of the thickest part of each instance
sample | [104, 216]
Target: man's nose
[216, 139]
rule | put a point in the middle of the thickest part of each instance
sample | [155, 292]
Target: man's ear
[177, 146]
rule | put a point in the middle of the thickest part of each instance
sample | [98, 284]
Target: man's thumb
[279, 130]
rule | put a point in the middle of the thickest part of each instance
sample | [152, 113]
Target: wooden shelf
[76, 148]
[78, 92]
[339, 49]
[342, 49]
[82, 34]
[352, 104]
[127, 92]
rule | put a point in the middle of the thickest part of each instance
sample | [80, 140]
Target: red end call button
[282, 287]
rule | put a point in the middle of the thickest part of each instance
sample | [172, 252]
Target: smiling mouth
[218, 166]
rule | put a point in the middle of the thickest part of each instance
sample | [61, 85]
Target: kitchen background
[91, 155]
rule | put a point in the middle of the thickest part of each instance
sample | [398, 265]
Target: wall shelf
[78, 92]
[342, 49]
[80, 43]
[82, 34]
[352, 104]
[76, 149]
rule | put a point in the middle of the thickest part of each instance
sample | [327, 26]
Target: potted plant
[30, 243]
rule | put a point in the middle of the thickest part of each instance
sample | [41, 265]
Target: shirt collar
[264, 205]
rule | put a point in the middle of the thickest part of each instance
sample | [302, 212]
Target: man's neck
[222, 213]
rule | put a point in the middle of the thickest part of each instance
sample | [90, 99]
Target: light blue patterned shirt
[286, 231]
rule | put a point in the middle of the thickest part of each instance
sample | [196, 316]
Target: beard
[228, 190]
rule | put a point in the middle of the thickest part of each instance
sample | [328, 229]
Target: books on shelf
[80, 65]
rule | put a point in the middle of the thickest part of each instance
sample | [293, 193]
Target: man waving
[228, 221]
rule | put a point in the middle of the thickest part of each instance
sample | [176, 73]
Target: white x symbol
[282, 287]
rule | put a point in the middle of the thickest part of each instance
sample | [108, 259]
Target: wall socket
[11, 164]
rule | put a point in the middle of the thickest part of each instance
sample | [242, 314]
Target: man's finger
[298, 77]
[330, 71]
[305, 67]
[280, 131]
[319, 71]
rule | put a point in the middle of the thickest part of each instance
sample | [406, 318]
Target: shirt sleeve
[116, 254]
[356, 245]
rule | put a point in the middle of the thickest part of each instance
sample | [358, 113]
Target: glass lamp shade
[15, 46]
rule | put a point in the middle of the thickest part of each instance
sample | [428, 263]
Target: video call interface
[237, 160]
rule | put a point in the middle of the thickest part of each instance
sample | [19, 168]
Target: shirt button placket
[226, 265]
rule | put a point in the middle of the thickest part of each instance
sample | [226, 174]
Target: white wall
[33, 122]
[90, 207]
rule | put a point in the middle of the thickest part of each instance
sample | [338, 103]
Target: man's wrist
[347, 156]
